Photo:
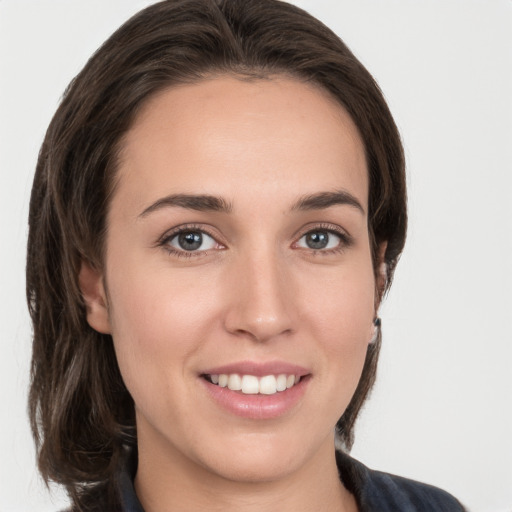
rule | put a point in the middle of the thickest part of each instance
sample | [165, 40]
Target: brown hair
[81, 413]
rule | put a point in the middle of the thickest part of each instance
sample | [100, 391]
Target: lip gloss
[257, 406]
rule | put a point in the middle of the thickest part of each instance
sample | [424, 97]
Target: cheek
[345, 337]
[156, 306]
[340, 313]
[340, 306]
[157, 324]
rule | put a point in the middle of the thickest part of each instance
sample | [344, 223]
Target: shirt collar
[125, 479]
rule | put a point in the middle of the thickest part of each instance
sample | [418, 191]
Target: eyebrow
[200, 203]
[209, 203]
[322, 200]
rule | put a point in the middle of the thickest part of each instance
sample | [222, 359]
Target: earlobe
[93, 291]
[382, 272]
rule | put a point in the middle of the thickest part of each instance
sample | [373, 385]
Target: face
[238, 256]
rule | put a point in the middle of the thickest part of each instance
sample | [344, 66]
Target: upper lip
[258, 369]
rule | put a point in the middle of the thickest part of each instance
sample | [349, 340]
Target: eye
[191, 240]
[320, 239]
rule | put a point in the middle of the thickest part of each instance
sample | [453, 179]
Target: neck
[168, 480]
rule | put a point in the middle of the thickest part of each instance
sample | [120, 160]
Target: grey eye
[319, 239]
[192, 241]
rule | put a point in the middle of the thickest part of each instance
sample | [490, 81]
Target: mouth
[253, 385]
[256, 390]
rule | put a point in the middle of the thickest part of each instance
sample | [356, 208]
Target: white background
[441, 411]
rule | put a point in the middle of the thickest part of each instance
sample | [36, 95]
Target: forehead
[226, 135]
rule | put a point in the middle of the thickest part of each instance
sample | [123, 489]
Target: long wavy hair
[81, 413]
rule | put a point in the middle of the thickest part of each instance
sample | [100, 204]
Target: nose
[261, 297]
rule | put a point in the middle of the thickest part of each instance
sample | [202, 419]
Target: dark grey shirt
[374, 491]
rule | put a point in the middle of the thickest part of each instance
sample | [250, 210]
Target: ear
[90, 281]
[382, 273]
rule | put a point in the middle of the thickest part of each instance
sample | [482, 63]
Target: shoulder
[375, 490]
[410, 495]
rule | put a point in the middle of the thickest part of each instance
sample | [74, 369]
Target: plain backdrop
[441, 411]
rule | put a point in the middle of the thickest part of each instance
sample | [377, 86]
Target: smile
[252, 385]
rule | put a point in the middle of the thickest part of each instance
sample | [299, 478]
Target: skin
[258, 292]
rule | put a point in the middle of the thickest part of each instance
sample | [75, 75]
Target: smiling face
[237, 249]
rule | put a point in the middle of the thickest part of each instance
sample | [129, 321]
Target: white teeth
[281, 382]
[251, 385]
[235, 382]
[268, 385]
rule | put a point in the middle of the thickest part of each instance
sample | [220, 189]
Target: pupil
[317, 239]
[190, 241]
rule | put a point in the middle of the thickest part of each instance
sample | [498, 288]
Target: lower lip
[259, 407]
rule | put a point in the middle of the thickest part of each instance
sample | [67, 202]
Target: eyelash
[345, 240]
[168, 237]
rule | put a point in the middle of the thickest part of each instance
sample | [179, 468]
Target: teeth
[251, 385]
[281, 382]
[268, 385]
[235, 382]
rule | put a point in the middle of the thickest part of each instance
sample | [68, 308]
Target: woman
[218, 208]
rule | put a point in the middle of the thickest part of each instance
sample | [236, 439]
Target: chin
[253, 469]
[258, 458]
